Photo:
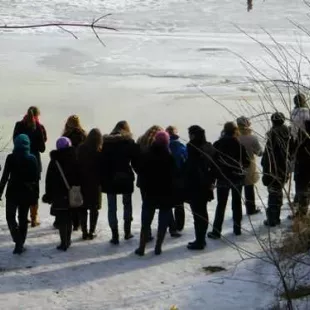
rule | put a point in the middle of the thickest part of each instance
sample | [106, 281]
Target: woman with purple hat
[56, 189]
[157, 171]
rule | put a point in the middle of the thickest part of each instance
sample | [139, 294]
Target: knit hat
[63, 143]
[277, 118]
[22, 143]
[162, 137]
[243, 122]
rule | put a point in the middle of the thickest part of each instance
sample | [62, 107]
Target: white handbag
[74, 192]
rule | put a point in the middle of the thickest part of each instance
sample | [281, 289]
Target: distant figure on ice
[56, 191]
[30, 125]
[88, 160]
[301, 171]
[119, 152]
[77, 135]
[253, 148]
[300, 114]
[179, 152]
[21, 174]
[231, 160]
[199, 182]
[157, 171]
[276, 166]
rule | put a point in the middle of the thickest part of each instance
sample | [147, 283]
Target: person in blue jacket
[179, 152]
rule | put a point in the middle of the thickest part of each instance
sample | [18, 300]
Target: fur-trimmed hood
[117, 137]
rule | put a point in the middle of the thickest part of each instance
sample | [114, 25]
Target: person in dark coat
[77, 135]
[119, 152]
[199, 182]
[144, 144]
[275, 162]
[31, 126]
[21, 174]
[88, 160]
[56, 191]
[157, 170]
[231, 161]
[179, 152]
[301, 171]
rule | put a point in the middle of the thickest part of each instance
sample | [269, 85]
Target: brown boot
[34, 216]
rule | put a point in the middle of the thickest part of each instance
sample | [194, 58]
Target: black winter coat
[277, 155]
[21, 174]
[56, 192]
[302, 160]
[76, 136]
[231, 160]
[88, 161]
[36, 136]
[199, 172]
[157, 170]
[118, 157]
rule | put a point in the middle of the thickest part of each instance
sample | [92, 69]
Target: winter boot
[237, 229]
[200, 242]
[127, 230]
[34, 216]
[159, 241]
[93, 217]
[141, 249]
[83, 218]
[115, 236]
[65, 239]
[214, 235]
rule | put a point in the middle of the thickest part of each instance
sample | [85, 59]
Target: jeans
[275, 201]
[164, 218]
[112, 209]
[18, 230]
[236, 204]
[249, 193]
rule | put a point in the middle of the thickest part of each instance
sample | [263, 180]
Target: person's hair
[94, 139]
[300, 100]
[197, 135]
[230, 129]
[172, 130]
[147, 139]
[73, 122]
[30, 118]
[122, 128]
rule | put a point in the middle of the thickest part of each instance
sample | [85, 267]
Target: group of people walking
[169, 174]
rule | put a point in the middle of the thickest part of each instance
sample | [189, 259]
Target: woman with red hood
[30, 125]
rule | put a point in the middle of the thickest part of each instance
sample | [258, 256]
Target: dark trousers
[275, 201]
[201, 220]
[236, 205]
[75, 216]
[178, 219]
[112, 209]
[93, 218]
[164, 219]
[18, 230]
[249, 193]
[64, 222]
[302, 188]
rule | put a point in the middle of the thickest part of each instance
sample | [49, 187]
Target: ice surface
[148, 73]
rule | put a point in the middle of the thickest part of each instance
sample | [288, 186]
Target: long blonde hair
[73, 122]
[123, 128]
[147, 139]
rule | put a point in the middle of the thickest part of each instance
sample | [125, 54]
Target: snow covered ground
[147, 74]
